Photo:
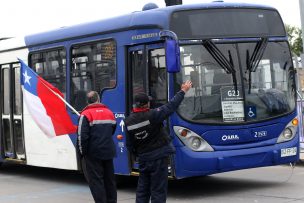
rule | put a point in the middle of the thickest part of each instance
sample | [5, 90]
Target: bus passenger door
[137, 83]
[11, 117]
[146, 73]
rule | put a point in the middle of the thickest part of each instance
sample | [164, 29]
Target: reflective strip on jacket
[95, 129]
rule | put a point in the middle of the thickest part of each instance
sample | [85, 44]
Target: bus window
[17, 91]
[271, 87]
[138, 72]
[93, 68]
[268, 88]
[157, 77]
[6, 91]
[51, 65]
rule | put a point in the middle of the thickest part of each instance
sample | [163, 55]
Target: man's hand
[186, 86]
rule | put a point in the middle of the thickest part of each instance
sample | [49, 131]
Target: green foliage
[295, 39]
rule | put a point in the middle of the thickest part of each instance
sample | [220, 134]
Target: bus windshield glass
[256, 88]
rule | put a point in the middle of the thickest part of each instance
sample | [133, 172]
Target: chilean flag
[44, 104]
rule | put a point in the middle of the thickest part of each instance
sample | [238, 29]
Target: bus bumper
[189, 163]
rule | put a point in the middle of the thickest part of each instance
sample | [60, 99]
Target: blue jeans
[153, 181]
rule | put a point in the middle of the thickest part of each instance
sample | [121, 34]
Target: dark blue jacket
[95, 129]
[146, 135]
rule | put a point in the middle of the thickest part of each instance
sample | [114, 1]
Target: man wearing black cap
[148, 139]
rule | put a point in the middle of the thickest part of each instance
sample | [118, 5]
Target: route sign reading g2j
[232, 104]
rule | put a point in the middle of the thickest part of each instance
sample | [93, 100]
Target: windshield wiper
[226, 64]
[233, 73]
[255, 59]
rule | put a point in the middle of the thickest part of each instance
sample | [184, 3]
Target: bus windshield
[261, 85]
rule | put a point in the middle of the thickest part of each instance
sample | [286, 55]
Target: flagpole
[58, 95]
[74, 110]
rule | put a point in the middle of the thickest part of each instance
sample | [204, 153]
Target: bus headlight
[195, 143]
[192, 140]
[289, 132]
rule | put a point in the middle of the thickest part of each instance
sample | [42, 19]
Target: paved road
[24, 184]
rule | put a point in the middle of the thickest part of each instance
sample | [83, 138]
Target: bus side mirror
[172, 56]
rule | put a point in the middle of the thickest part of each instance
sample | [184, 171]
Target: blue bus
[241, 112]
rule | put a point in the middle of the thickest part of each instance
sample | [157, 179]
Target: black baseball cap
[141, 99]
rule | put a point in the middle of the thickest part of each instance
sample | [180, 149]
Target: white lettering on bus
[144, 36]
[119, 115]
[230, 137]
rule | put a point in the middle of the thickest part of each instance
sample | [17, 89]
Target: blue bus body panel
[216, 135]
[190, 163]
[233, 156]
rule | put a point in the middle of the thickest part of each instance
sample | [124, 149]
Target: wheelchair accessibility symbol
[251, 112]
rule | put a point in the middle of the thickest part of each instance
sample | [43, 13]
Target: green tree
[295, 39]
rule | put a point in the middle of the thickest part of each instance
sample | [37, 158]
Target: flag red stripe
[55, 108]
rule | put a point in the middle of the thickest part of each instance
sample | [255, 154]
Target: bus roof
[154, 18]
[12, 43]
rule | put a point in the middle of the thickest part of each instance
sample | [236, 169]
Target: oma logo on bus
[230, 137]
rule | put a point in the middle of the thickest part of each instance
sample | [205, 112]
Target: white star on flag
[27, 78]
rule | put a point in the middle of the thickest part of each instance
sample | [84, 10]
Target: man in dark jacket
[148, 139]
[95, 129]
